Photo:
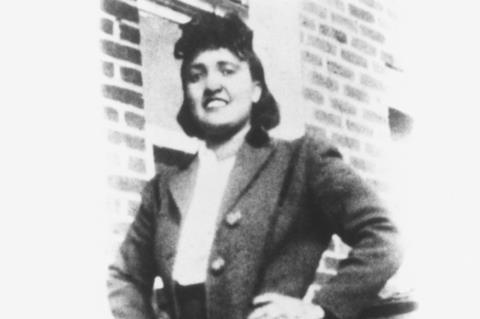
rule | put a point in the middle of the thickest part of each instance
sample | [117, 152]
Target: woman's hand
[277, 306]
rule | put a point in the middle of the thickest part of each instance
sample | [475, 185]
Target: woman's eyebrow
[228, 63]
[197, 67]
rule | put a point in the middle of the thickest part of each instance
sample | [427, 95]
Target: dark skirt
[192, 301]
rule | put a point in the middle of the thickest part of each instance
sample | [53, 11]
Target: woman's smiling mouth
[214, 103]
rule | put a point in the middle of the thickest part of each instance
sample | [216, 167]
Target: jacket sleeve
[358, 216]
[131, 276]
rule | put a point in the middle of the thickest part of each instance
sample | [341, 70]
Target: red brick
[356, 94]
[122, 52]
[359, 128]
[354, 58]
[135, 120]
[133, 142]
[372, 34]
[371, 82]
[108, 69]
[344, 22]
[312, 95]
[123, 95]
[131, 76]
[333, 33]
[121, 10]
[343, 106]
[373, 4]
[363, 46]
[361, 13]
[328, 118]
[324, 81]
[346, 141]
[307, 23]
[111, 114]
[322, 45]
[129, 33]
[311, 58]
[339, 69]
[137, 165]
[107, 26]
[314, 8]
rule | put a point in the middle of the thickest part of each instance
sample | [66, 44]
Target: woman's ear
[256, 92]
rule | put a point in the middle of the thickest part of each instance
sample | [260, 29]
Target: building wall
[346, 65]
[129, 153]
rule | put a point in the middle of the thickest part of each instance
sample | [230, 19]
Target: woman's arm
[131, 276]
[356, 213]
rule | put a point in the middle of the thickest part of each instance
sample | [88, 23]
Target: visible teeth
[216, 103]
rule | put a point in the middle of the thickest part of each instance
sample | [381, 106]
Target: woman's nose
[213, 82]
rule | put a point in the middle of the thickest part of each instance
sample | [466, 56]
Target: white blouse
[199, 226]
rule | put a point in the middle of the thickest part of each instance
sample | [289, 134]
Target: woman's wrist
[315, 312]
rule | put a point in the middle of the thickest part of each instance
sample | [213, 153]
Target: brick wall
[129, 154]
[346, 63]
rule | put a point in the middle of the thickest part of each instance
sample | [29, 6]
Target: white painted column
[277, 42]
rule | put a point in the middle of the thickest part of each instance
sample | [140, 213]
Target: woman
[238, 230]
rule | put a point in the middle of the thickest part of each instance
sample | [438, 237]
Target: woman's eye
[227, 71]
[194, 77]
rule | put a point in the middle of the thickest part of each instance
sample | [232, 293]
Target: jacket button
[233, 218]
[217, 265]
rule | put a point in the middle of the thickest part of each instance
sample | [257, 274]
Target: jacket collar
[249, 160]
[182, 182]
[248, 164]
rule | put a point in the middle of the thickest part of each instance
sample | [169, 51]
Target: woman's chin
[221, 132]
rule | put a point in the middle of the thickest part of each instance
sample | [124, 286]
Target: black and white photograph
[241, 159]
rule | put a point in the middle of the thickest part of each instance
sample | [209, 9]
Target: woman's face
[220, 91]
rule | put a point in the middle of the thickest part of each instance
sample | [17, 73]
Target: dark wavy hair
[207, 31]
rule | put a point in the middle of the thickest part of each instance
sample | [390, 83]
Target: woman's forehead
[215, 55]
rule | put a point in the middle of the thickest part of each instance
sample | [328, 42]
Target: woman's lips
[214, 103]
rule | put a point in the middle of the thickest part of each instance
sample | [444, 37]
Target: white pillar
[277, 42]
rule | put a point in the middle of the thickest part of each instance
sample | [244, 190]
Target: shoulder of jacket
[311, 145]
[165, 169]
[320, 147]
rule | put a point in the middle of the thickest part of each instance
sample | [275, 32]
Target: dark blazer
[284, 200]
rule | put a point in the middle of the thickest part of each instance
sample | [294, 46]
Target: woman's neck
[226, 148]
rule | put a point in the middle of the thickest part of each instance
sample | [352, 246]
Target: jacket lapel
[247, 165]
[181, 185]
